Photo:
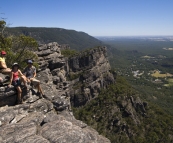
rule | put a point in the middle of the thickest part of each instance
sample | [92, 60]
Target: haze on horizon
[95, 17]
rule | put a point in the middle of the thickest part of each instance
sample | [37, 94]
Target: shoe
[40, 95]
[20, 101]
[44, 96]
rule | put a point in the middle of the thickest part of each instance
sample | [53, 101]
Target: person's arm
[11, 79]
[20, 73]
[34, 75]
[1, 79]
[23, 76]
[24, 72]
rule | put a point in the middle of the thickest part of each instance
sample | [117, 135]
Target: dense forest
[118, 125]
[76, 40]
[130, 55]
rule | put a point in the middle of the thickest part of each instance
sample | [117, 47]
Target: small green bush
[69, 53]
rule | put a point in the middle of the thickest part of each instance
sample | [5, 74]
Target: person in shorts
[30, 73]
[15, 81]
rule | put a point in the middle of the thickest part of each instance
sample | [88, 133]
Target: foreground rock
[39, 122]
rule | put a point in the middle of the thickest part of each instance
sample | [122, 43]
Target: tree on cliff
[18, 48]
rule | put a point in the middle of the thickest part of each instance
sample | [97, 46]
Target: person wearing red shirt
[16, 81]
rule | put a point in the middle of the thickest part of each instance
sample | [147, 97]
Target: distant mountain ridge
[76, 40]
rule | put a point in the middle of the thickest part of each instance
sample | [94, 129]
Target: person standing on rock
[3, 66]
[30, 73]
[15, 80]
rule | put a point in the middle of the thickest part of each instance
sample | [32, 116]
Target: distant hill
[76, 40]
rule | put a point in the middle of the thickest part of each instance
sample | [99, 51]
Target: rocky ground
[50, 119]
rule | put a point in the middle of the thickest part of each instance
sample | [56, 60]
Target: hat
[29, 62]
[15, 64]
[3, 53]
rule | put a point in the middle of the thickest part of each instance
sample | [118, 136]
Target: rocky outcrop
[7, 96]
[44, 120]
[91, 72]
[51, 119]
[39, 122]
[87, 73]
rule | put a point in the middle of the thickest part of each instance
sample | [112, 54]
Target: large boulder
[39, 122]
[7, 96]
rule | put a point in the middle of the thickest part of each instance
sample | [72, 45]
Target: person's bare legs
[6, 71]
[19, 93]
[1, 79]
[39, 89]
[24, 80]
[36, 83]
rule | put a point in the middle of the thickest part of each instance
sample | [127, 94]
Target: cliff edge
[51, 119]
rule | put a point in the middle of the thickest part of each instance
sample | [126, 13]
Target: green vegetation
[77, 40]
[18, 48]
[72, 76]
[126, 56]
[170, 80]
[106, 114]
[69, 52]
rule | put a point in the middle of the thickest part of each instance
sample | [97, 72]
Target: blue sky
[95, 17]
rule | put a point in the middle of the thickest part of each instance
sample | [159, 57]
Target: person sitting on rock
[15, 80]
[30, 73]
[3, 66]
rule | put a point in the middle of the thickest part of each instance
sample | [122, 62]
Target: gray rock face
[88, 71]
[50, 119]
[64, 47]
[91, 68]
[39, 122]
[50, 56]
[63, 130]
[7, 96]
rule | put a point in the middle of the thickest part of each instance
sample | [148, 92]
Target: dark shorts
[16, 83]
